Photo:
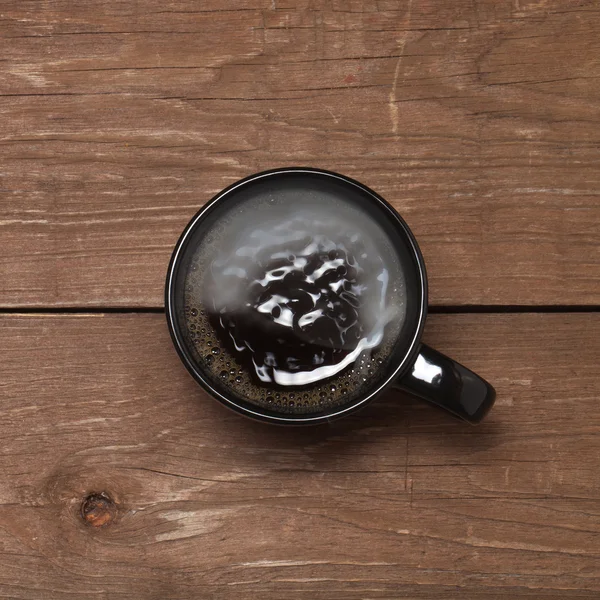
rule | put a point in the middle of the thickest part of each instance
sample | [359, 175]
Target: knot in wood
[98, 509]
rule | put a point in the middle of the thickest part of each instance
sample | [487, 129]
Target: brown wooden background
[479, 120]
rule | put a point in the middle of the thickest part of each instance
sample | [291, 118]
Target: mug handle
[442, 381]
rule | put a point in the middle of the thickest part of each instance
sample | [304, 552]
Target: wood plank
[397, 501]
[477, 120]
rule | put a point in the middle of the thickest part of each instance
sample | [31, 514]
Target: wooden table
[479, 120]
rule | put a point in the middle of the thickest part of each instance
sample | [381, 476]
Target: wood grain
[399, 501]
[477, 119]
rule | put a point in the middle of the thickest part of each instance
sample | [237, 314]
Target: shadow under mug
[413, 367]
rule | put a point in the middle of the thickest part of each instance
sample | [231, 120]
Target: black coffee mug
[409, 365]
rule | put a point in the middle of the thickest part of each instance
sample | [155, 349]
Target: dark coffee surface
[294, 299]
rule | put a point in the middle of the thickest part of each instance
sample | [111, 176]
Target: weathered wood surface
[478, 119]
[399, 501]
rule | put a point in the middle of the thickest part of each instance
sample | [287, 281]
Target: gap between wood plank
[434, 310]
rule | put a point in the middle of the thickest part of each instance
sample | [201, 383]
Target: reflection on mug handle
[442, 381]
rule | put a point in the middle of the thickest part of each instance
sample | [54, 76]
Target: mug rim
[242, 406]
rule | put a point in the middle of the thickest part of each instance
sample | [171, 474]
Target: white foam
[328, 265]
[309, 318]
[272, 276]
[306, 377]
[237, 271]
[291, 238]
[286, 318]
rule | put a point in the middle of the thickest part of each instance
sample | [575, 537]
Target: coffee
[294, 299]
